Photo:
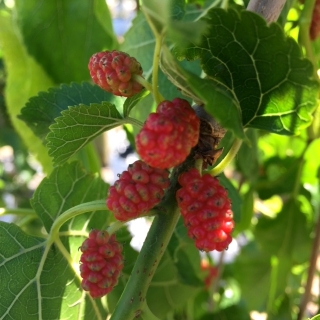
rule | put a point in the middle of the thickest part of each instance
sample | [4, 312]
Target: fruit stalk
[96, 205]
[228, 158]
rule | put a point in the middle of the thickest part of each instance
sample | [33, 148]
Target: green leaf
[158, 14]
[219, 103]
[39, 284]
[163, 299]
[233, 194]
[182, 233]
[124, 237]
[79, 125]
[263, 70]
[249, 154]
[25, 78]
[178, 9]
[314, 129]
[131, 102]
[181, 32]
[130, 255]
[287, 234]
[204, 91]
[165, 292]
[185, 254]
[278, 176]
[104, 17]
[252, 271]
[63, 35]
[230, 285]
[66, 187]
[234, 312]
[140, 42]
[40, 111]
[284, 309]
[146, 314]
[280, 244]
[317, 317]
[311, 165]
[247, 212]
[274, 145]
[169, 16]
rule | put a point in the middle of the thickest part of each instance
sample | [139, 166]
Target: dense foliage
[257, 84]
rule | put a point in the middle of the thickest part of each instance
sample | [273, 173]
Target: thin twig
[312, 268]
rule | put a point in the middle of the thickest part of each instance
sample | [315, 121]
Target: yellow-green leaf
[25, 78]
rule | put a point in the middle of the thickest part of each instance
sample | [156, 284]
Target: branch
[311, 271]
[132, 300]
[269, 9]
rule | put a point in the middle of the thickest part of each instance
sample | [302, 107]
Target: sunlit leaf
[68, 186]
[25, 78]
[78, 126]
[40, 111]
[39, 284]
[287, 234]
[63, 35]
[263, 71]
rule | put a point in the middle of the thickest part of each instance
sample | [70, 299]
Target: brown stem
[312, 268]
[269, 9]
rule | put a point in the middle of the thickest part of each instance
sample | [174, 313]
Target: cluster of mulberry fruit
[165, 141]
[101, 263]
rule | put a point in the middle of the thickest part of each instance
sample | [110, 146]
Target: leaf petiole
[17, 211]
[134, 122]
[97, 205]
[155, 68]
[227, 159]
[156, 57]
[115, 226]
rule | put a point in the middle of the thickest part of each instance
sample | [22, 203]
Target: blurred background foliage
[274, 183]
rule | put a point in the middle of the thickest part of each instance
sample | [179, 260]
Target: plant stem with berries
[133, 297]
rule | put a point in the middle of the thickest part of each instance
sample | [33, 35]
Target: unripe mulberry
[137, 190]
[101, 263]
[113, 71]
[206, 210]
[211, 273]
[169, 134]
